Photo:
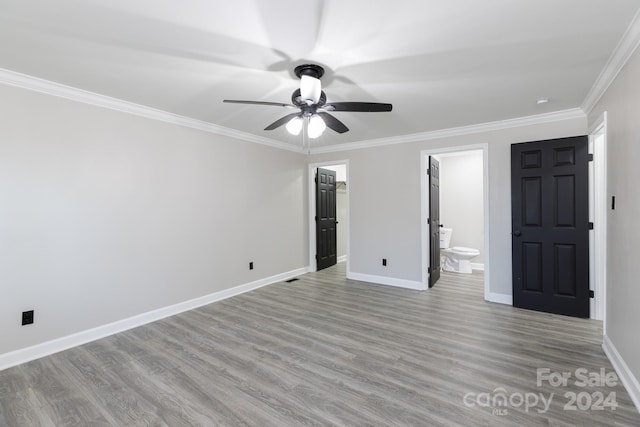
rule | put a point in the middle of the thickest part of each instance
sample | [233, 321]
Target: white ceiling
[442, 64]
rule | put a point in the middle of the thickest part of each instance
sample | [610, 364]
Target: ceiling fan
[312, 103]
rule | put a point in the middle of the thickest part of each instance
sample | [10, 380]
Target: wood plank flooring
[324, 350]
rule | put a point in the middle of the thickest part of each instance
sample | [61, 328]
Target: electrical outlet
[384, 262]
[251, 265]
[27, 317]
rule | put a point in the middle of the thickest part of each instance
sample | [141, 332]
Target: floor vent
[295, 279]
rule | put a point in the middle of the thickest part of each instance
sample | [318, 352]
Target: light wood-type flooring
[324, 350]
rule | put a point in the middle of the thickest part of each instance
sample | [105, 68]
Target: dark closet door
[326, 245]
[434, 221]
[550, 220]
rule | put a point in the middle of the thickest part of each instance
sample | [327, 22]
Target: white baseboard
[622, 369]
[477, 266]
[342, 258]
[499, 298]
[389, 281]
[37, 351]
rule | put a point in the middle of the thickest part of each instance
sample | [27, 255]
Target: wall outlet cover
[27, 317]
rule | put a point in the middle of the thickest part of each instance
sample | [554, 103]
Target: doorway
[341, 169]
[470, 233]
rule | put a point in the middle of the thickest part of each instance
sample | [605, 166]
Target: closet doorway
[341, 169]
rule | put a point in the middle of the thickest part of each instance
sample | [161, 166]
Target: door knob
[517, 233]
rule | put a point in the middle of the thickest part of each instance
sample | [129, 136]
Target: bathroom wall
[461, 203]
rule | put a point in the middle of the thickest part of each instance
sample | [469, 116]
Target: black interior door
[550, 219]
[326, 246]
[434, 221]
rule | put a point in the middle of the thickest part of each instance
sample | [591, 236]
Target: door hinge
[428, 221]
[592, 294]
[590, 157]
[316, 257]
[428, 172]
[429, 270]
[590, 226]
[316, 218]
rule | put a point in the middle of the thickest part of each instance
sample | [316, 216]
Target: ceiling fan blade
[364, 107]
[281, 121]
[333, 123]
[276, 104]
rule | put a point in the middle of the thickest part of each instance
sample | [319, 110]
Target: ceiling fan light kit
[316, 126]
[312, 102]
[294, 126]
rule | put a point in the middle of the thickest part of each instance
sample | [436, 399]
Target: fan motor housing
[311, 70]
[297, 100]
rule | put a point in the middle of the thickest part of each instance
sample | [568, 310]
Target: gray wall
[622, 103]
[386, 221]
[461, 200]
[104, 215]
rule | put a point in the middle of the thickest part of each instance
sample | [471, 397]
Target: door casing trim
[598, 236]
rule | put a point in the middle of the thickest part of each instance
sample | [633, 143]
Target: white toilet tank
[445, 237]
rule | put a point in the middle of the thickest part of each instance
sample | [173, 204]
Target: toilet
[458, 258]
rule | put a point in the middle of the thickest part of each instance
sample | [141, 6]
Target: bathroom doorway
[341, 169]
[463, 203]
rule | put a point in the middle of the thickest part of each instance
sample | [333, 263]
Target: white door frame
[312, 212]
[424, 194]
[598, 215]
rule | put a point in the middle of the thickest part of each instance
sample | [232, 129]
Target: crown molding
[618, 59]
[36, 84]
[574, 113]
